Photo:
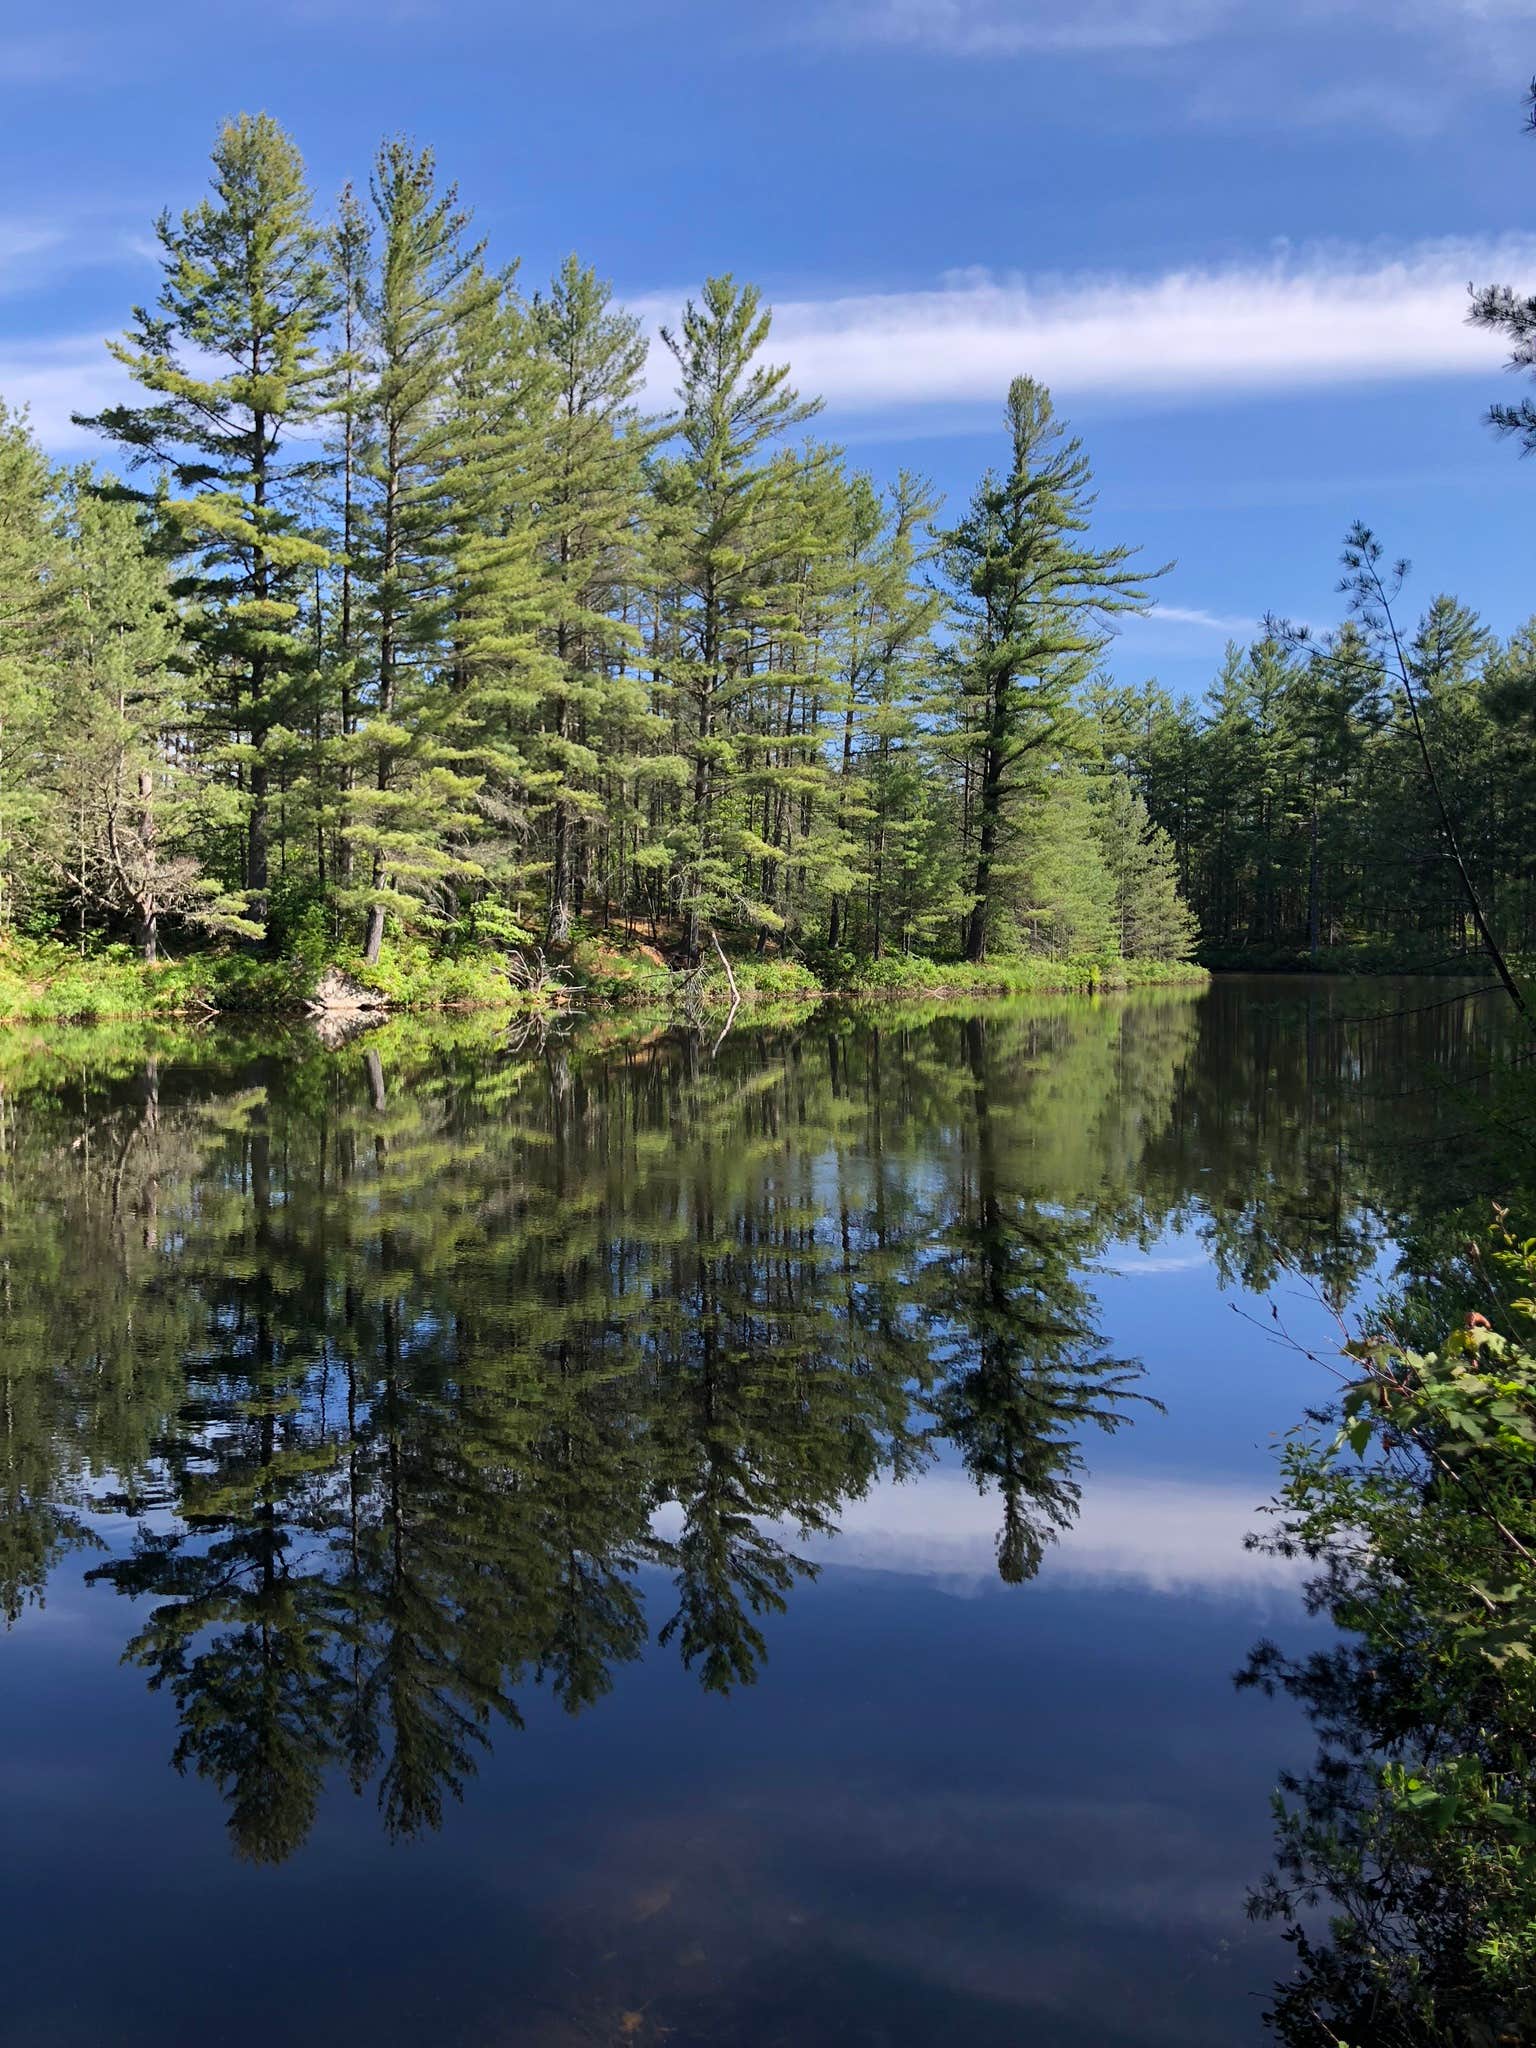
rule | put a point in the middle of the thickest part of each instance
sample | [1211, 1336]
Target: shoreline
[114, 992]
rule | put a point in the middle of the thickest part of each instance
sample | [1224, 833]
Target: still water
[619, 1538]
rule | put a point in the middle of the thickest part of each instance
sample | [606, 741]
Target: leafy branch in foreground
[1417, 1822]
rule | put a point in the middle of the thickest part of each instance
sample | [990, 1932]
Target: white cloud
[909, 359]
[1168, 1535]
[1147, 1265]
[53, 379]
[1175, 629]
[37, 250]
[22, 238]
[1398, 66]
[1325, 317]
[32, 250]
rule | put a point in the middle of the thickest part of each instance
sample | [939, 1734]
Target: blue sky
[1234, 238]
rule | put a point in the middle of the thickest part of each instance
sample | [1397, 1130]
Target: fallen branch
[735, 991]
[536, 977]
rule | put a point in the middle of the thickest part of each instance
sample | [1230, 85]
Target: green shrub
[770, 977]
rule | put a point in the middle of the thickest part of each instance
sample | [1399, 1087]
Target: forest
[394, 617]
[401, 624]
[420, 633]
[1296, 798]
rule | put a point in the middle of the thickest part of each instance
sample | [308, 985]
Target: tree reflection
[412, 1358]
[1018, 1376]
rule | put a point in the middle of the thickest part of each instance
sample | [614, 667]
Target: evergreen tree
[721, 539]
[1509, 800]
[1060, 894]
[409, 795]
[1031, 595]
[465, 645]
[1150, 919]
[343, 634]
[589, 535]
[496, 612]
[1338, 710]
[29, 546]
[233, 359]
[126, 813]
[882, 789]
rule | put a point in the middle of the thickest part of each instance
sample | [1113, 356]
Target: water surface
[612, 1537]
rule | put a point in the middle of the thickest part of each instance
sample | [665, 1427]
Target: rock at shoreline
[337, 995]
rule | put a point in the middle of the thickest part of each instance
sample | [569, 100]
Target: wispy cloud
[1318, 318]
[44, 59]
[23, 240]
[1167, 1535]
[1400, 66]
[53, 379]
[1230, 627]
[37, 249]
[1187, 337]
[993, 28]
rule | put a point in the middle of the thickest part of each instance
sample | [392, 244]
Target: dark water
[627, 1540]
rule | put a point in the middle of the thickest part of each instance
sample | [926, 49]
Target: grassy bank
[1018, 977]
[43, 982]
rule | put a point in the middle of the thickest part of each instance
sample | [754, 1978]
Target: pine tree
[1055, 894]
[344, 644]
[1510, 312]
[1509, 803]
[898, 858]
[589, 534]
[29, 604]
[125, 815]
[233, 359]
[408, 796]
[1337, 710]
[1031, 596]
[496, 611]
[719, 541]
[1150, 918]
[464, 644]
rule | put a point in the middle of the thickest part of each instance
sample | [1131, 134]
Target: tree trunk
[986, 854]
[390, 560]
[149, 917]
[1314, 902]
[258, 838]
[557, 931]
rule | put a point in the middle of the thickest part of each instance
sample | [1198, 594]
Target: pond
[617, 1534]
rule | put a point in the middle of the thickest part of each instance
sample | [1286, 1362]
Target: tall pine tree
[233, 359]
[1032, 595]
[719, 541]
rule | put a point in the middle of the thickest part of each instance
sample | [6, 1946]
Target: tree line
[1297, 800]
[415, 613]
